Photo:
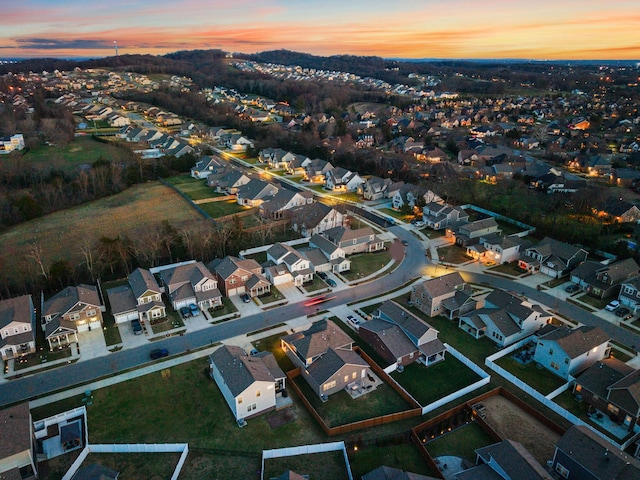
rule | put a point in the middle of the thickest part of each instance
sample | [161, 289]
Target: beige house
[17, 454]
[447, 295]
[17, 327]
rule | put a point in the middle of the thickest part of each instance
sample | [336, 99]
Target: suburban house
[630, 294]
[496, 248]
[141, 299]
[552, 257]
[297, 264]
[191, 283]
[326, 358]
[618, 211]
[567, 352]
[611, 387]
[236, 142]
[506, 460]
[374, 188]
[11, 143]
[255, 192]
[340, 179]
[316, 170]
[314, 218]
[400, 337]
[205, 166]
[438, 216]
[250, 384]
[581, 454]
[351, 241]
[335, 256]
[17, 327]
[236, 276]
[505, 318]
[296, 165]
[447, 295]
[407, 195]
[228, 180]
[284, 200]
[603, 281]
[72, 310]
[17, 453]
[470, 233]
[276, 158]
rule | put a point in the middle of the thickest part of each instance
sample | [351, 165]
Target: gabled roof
[446, 284]
[626, 392]
[343, 234]
[16, 430]
[511, 458]
[141, 280]
[391, 335]
[602, 374]
[549, 246]
[331, 362]
[408, 322]
[17, 309]
[389, 473]
[575, 342]
[121, 299]
[318, 338]
[310, 215]
[230, 265]
[191, 273]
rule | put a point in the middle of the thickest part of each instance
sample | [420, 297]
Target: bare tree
[90, 260]
[34, 252]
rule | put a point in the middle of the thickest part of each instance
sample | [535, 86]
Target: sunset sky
[540, 29]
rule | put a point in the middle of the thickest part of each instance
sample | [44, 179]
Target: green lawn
[404, 456]
[365, 264]
[597, 303]
[220, 209]
[461, 442]
[508, 269]
[396, 214]
[110, 330]
[273, 296]
[427, 385]
[272, 344]
[319, 466]
[171, 321]
[539, 378]
[452, 254]
[227, 308]
[194, 188]
[341, 409]
[259, 257]
[314, 285]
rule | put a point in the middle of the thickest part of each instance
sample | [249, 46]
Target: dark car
[157, 353]
[405, 243]
[135, 325]
[322, 275]
[331, 282]
[184, 312]
[245, 297]
[573, 288]
[622, 312]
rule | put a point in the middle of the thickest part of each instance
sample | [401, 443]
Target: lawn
[540, 379]
[508, 269]
[365, 264]
[320, 466]
[194, 188]
[461, 442]
[341, 409]
[170, 322]
[110, 330]
[137, 465]
[315, 284]
[396, 214]
[597, 303]
[83, 150]
[452, 254]
[427, 385]
[272, 344]
[220, 209]
[227, 308]
[134, 212]
[273, 296]
[405, 456]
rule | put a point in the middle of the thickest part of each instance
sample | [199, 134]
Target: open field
[194, 188]
[137, 210]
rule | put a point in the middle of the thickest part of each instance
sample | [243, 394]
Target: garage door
[83, 327]
[181, 303]
[96, 325]
[126, 317]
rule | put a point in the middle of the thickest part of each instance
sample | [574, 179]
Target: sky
[536, 29]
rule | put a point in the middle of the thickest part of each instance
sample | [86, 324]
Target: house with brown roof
[470, 233]
[72, 310]
[604, 281]
[447, 295]
[612, 388]
[325, 356]
[567, 352]
[17, 452]
[552, 257]
[250, 384]
[238, 275]
[400, 337]
[352, 241]
[140, 299]
[314, 218]
[17, 327]
[282, 201]
[191, 283]
[504, 318]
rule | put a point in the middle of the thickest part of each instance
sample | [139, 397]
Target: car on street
[322, 275]
[136, 327]
[573, 288]
[194, 310]
[490, 263]
[184, 312]
[623, 312]
[245, 297]
[157, 353]
[612, 305]
[405, 243]
[331, 282]
[355, 323]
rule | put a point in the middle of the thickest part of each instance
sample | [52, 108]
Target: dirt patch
[513, 423]
[277, 419]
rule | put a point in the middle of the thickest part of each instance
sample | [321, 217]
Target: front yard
[453, 254]
[227, 308]
[365, 264]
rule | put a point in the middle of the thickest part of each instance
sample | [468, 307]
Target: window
[251, 407]
[244, 278]
[555, 366]
[91, 313]
[354, 375]
[613, 409]
[232, 281]
[74, 316]
[329, 385]
[346, 378]
[562, 470]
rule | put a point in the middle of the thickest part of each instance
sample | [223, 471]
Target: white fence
[305, 450]
[182, 448]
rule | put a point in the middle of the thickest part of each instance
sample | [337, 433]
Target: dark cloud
[56, 44]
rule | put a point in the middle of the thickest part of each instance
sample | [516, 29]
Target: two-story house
[447, 295]
[236, 276]
[504, 319]
[72, 310]
[17, 327]
[140, 299]
[297, 165]
[567, 352]
[604, 281]
[316, 170]
[438, 216]
[374, 188]
[630, 294]
[284, 200]
[314, 218]
[407, 195]
[17, 450]
[351, 241]
[400, 337]
[228, 181]
[191, 283]
[552, 257]
[255, 192]
[326, 358]
[298, 266]
[205, 166]
[336, 256]
[470, 233]
[250, 384]
[340, 179]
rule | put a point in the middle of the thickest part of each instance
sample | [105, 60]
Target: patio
[363, 386]
[603, 421]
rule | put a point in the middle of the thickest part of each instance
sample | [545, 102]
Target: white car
[419, 224]
[612, 305]
[353, 321]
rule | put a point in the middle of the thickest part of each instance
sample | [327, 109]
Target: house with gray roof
[255, 192]
[438, 216]
[315, 171]
[298, 265]
[470, 233]
[566, 352]
[250, 384]
[401, 338]
[326, 357]
[630, 294]
[140, 299]
[340, 179]
[95, 471]
[497, 248]
[504, 318]
[191, 283]
[229, 180]
[336, 256]
[314, 218]
[604, 281]
[352, 241]
[282, 201]
[582, 454]
[390, 473]
[552, 257]
[238, 275]
[447, 295]
[17, 327]
[17, 451]
[374, 188]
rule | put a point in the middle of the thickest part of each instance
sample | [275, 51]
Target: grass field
[83, 150]
[194, 188]
[139, 209]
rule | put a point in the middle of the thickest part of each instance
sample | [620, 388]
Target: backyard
[540, 379]
[194, 188]
[223, 208]
[321, 466]
[461, 442]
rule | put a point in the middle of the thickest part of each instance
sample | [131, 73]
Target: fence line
[305, 450]
[183, 195]
[498, 216]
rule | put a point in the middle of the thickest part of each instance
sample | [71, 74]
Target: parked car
[135, 325]
[245, 297]
[157, 353]
[331, 282]
[419, 224]
[612, 305]
[184, 312]
[253, 352]
[353, 321]
[405, 243]
[322, 275]
[573, 288]
[193, 309]
[623, 312]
